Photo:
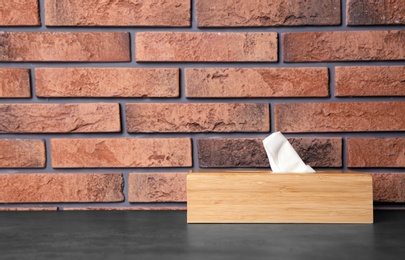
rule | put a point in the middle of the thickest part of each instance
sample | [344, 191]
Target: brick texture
[369, 12]
[370, 81]
[249, 152]
[199, 84]
[205, 47]
[123, 152]
[265, 82]
[107, 82]
[214, 13]
[19, 13]
[202, 117]
[343, 46]
[59, 118]
[15, 83]
[64, 46]
[117, 13]
[146, 207]
[60, 187]
[340, 117]
[157, 187]
[319, 152]
[376, 152]
[389, 187]
[22, 153]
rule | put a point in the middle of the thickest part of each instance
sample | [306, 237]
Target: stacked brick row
[108, 104]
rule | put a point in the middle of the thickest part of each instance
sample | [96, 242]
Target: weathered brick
[64, 46]
[59, 118]
[263, 82]
[214, 13]
[123, 152]
[132, 207]
[15, 83]
[61, 187]
[343, 46]
[249, 152]
[201, 117]
[319, 152]
[117, 13]
[22, 153]
[157, 187]
[376, 152]
[370, 81]
[206, 47]
[340, 117]
[19, 13]
[389, 187]
[107, 82]
[370, 12]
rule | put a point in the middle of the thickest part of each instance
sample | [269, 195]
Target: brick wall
[108, 104]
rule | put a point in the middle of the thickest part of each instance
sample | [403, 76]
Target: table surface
[165, 235]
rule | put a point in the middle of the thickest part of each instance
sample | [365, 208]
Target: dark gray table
[165, 235]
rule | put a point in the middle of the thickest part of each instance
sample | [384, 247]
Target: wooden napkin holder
[266, 197]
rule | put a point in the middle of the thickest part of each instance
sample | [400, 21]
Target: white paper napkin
[282, 156]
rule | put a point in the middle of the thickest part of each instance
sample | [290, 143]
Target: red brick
[370, 81]
[214, 13]
[343, 46]
[122, 152]
[107, 82]
[249, 152]
[22, 153]
[206, 47]
[19, 13]
[30, 209]
[263, 82]
[146, 207]
[201, 117]
[15, 83]
[61, 187]
[157, 187]
[340, 117]
[369, 12]
[389, 187]
[59, 118]
[376, 152]
[117, 13]
[64, 46]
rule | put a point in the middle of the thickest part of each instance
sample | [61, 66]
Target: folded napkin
[282, 156]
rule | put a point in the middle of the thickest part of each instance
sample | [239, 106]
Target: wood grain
[264, 197]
